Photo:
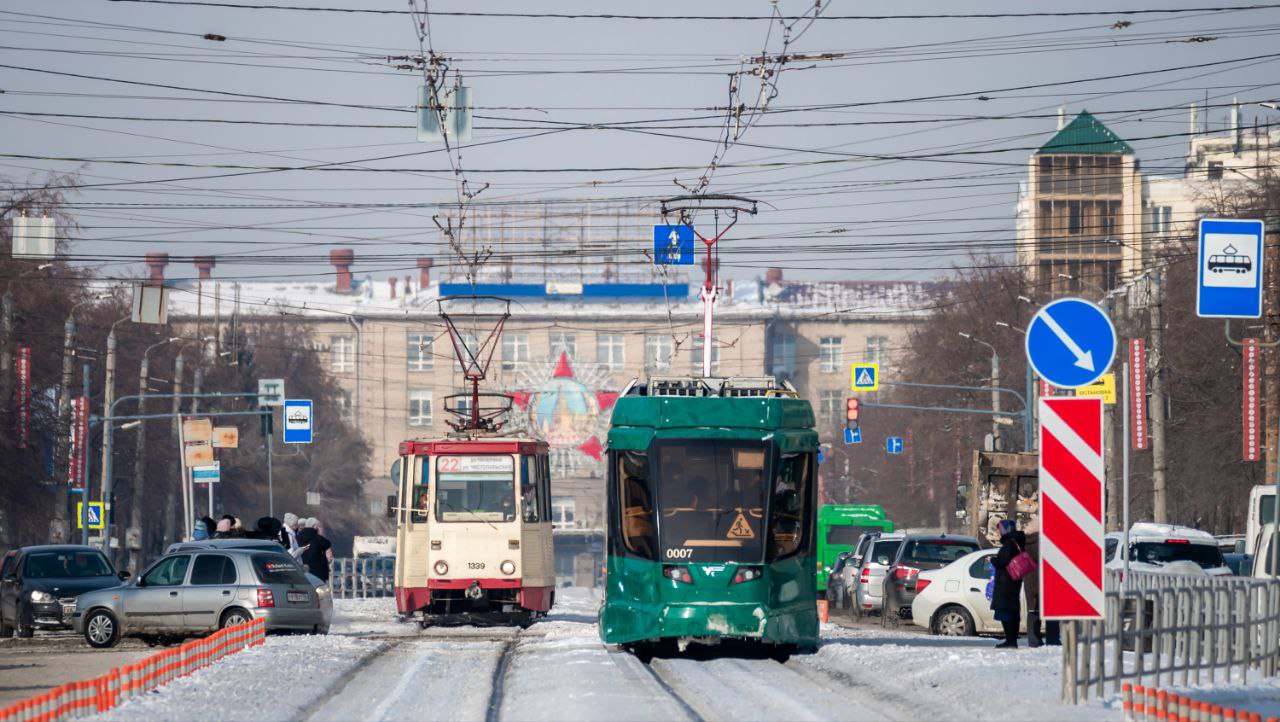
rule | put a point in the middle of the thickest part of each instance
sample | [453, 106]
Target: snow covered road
[376, 668]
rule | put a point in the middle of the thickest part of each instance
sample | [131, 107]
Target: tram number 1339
[475, 565]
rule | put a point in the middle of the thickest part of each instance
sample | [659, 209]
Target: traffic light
[851, 413]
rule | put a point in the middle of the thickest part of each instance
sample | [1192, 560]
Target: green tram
[711, 516]
[839, 527]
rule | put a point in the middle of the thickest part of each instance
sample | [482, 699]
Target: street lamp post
[1028, 433]
[108, 400]
[133, 536]
[995, 386]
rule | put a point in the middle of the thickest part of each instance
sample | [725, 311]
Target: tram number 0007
[679, 553]
[475, 565]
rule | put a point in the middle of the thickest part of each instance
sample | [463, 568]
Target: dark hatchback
[919, 553]
[39, 585]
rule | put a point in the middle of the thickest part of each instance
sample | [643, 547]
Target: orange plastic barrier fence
[1148, 704]
[91, 696]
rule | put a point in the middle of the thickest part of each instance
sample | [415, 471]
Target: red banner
[79, 437]
[1071, 484]
[22, 396]
[1138, 393]
[1046, 389]
[1252, 399]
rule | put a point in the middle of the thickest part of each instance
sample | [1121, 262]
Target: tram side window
[787, 511]
[636, 504]
[544, 485]
[530, 482]
[420, 493]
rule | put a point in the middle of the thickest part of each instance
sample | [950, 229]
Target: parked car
[952, 601]
[323, 591]
[190, 593]
[869, 587]
[39, 585]
[919, 553]
[1167, 549]
[838, 582]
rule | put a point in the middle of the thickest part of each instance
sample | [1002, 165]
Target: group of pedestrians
[303, 538]
[1006, 596]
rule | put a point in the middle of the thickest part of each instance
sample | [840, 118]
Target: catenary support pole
[1124, 474]
[84, 473]
[63, 444]
[179, 370]
[1159, 489]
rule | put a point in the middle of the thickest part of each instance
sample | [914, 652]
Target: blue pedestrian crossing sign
[866, 377]
[673, 245]
[297, 421]
[89, 515]
[893, 444]
[1229, 275]
[853, 436]
[1070, 343]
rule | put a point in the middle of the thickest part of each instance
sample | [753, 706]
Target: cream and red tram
[473, 530]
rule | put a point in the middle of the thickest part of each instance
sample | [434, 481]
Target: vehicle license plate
[297, 596]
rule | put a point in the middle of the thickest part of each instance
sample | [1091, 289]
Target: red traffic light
[851, 409]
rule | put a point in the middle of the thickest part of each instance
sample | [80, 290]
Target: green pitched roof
[1085, 134]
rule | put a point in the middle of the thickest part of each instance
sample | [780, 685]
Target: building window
[345, 409]
[657, 352]
[876, 347]
[610, 351]
[420, 407]
[419, 349]
[564, 343]
[377, 507]
[830, 353]
[784, 356]
[562, 512]
[696, 355]
[342, 354]
[831, 406]
[1215, 170]
[515, 350]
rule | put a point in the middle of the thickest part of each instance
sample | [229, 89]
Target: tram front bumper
[636, 621]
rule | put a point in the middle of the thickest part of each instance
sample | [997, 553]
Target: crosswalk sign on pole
[89, 516]
[866, 377]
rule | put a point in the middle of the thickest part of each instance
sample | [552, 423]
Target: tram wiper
[472, 512]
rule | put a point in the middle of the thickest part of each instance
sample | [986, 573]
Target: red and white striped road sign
[1071, 485]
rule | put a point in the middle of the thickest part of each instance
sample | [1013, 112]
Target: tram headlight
[441, 568]
[508, 567]
[746, 574]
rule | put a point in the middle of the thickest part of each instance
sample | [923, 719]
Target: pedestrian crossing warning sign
[741, 529]
[866, 377]
[89, 515]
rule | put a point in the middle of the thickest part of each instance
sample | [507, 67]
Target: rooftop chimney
[342, 258]
[424, 272]
[156, 262]
[772, 276]
[204, 264]
[1062, 117]
[392, 282]
[408, 285]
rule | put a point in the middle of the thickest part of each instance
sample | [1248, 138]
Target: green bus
[711, 517]
[839, 526]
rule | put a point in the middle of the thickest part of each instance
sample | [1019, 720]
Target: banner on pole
[22, 396]
[79, 439]
[1071, 487]
[1138, 393]
[1252, 399]
[1046, 389]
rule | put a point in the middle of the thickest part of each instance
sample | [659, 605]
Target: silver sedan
[191, 593]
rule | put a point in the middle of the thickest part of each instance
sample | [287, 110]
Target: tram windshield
[711, 500]
[475, 488]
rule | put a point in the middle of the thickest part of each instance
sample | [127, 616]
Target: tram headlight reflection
[441, 568]
[508, 567]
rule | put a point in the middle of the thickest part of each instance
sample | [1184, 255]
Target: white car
[1168, 549]
[952, 601]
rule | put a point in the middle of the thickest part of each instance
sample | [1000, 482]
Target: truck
[1003, 486]
[1262, 510]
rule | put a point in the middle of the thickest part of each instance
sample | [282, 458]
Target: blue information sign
[673, 245]
[297, 421]
[893, 444]
[1229, 276]
[1071, 343]
[853, 436]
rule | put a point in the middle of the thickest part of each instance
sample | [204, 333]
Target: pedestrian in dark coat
[1006, 600]
[313, 555]
[1031, 589]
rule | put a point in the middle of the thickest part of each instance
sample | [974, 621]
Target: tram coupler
[474, 591]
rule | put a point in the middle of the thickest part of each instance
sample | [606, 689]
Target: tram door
[414, 515]
[537, 562]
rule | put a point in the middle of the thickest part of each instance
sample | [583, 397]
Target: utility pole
[178, 371]
[62, 449]
[108, 398]
[84, 476]
[1159, 489]
[1110, 458]
[138, 492]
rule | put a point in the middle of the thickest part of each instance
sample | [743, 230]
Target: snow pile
[953, 678]
[279, 679]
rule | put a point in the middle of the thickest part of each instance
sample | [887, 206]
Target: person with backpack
[1006, 597]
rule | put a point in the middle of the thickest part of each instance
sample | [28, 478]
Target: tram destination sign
[473, 464]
